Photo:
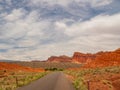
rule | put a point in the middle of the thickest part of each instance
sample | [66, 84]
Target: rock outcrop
[105, 59]
[83, 58]
[59, 59]
[100, 59]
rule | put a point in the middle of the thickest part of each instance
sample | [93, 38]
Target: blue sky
[37, 29]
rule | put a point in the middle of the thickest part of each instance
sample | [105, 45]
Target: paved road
[53, 81]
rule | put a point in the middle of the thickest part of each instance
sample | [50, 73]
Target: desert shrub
[79, 74]
[79, 84]
[53, 69]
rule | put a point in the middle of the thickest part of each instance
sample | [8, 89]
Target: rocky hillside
[83, 58]
[105, 59]
[91, 60]
[59, 59]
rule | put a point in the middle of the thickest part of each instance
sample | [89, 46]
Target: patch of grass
[79, 75]
[79, 84]
[11, 82]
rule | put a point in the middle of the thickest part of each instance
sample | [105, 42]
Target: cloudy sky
[37, 29]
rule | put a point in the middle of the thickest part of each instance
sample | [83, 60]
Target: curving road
[53, 81]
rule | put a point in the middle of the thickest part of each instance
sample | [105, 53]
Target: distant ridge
[7, 61]
[16, 67]
[58, 59]
[111, 58]
[99, 59]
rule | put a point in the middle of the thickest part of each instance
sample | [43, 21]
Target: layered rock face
[83, 58]
[105, 59]
[59, 59]
[99, 59]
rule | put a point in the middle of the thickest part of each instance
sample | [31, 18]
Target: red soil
[105, 59]
[103, 82]
[15, 67]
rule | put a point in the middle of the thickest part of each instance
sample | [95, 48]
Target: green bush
[53, 69]
[79, 84]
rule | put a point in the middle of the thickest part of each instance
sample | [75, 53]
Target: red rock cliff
[83, 58]
[59, 59]
[106, 59]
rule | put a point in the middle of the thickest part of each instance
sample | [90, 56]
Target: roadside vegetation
[48, 65]
[83, 77]
[54, 69]
[13, 80]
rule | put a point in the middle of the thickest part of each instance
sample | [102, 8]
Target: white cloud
[51, 2]
[26, 35]
[98, 25]
[60, 26]
[93, 3]
[4, 46]
[87, 36]
[93, 35]
[98, 3]
[18, 25]
[16, 14]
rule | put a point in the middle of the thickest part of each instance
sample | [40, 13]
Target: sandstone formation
[83, 58]
[59, 59]
[105, 59]
[100, 59]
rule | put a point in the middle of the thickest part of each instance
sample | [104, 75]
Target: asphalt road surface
[53, 81]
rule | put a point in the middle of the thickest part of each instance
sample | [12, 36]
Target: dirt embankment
[14, 67]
